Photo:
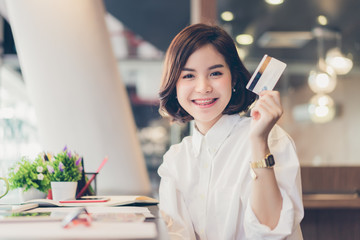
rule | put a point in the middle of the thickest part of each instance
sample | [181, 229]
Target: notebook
[16, 208]
[123, 200]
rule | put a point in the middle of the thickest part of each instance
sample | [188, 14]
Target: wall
[333, 143]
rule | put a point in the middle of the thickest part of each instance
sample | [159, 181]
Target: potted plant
[31, 176]
[65, 170]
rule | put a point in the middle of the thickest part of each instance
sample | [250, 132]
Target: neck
[202, 130]
[204, 127]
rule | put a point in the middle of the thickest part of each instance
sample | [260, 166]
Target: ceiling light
[322, 20]
[321, 108]
[323, 78]
[244, 39]
[274, 2]
[340, 63]
[321, 81]
[227, 16]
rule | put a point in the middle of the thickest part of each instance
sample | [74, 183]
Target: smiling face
[204, 87]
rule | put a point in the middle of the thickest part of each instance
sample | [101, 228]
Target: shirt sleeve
[172, 207]
[287, 172]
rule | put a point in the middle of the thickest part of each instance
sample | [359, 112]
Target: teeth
[204, 102]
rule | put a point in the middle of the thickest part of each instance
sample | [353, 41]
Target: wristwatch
[267, 162]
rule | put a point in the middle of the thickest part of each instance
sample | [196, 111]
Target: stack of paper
[112, 202]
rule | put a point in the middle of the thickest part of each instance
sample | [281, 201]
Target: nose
[203, 85]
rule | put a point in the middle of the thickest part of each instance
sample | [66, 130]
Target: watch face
[270, 161]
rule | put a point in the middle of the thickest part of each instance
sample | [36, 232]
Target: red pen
[92, 178]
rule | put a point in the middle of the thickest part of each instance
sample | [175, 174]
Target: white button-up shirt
[206, 185]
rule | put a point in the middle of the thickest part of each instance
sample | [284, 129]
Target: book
[16, 208]
[114, 201]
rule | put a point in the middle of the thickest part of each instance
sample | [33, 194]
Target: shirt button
[206, 165]
[202, 196]
[212, 150]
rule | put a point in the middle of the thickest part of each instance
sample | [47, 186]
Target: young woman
[216, 183]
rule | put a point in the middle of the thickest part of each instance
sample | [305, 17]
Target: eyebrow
[216, 66]
[210, 68]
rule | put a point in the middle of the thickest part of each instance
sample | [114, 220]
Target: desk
[160, 224]
[38, 226]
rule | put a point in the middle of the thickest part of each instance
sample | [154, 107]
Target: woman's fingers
[269, 104]
[266, 112]
[271, 96]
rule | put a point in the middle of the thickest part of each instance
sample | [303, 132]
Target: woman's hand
[266, 112]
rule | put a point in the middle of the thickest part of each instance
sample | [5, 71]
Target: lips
[205, 102]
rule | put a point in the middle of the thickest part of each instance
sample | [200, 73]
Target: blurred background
[318, 39]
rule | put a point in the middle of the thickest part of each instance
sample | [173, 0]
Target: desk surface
[14, 228]
[160, 224]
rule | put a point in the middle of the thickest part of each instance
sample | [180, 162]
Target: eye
[216, 74]
[189, 75]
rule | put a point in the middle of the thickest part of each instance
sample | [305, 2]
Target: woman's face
[204, 87]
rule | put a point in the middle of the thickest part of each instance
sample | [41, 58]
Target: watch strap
[267, 162]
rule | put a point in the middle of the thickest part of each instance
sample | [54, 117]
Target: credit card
[266, 74]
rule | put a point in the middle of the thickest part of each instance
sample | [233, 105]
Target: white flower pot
[30, 194]
[63, 190]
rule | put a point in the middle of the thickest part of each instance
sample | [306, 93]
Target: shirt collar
[197, 138]
[216, 135]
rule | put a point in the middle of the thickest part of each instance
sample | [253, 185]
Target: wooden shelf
[321, 201]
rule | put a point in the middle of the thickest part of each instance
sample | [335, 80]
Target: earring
[234, 90]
